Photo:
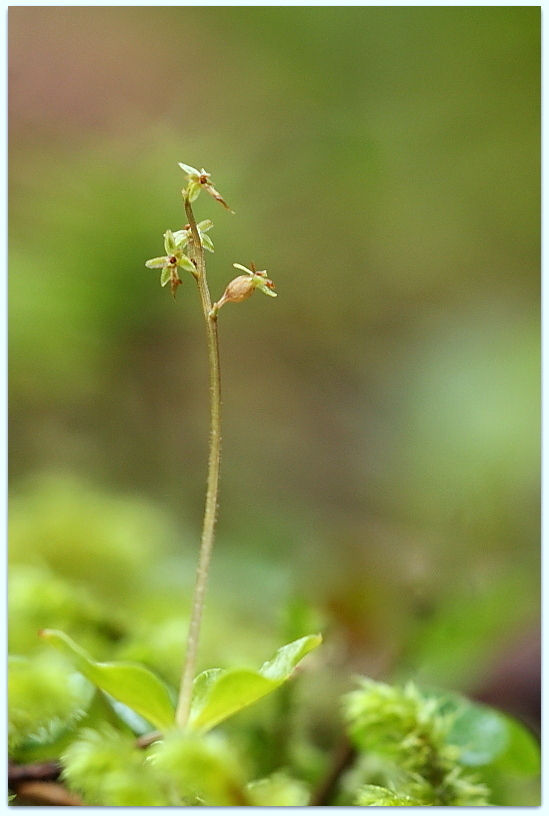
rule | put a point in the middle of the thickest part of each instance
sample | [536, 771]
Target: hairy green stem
[210, 512]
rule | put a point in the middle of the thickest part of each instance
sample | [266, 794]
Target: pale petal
[156, 263]
[207, 242]
[169, 242]
[243, 268]
[190, 171]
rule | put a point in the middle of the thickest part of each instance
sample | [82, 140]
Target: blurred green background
[380, 473]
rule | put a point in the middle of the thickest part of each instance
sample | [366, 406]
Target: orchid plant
[215, 694]
[128, 739]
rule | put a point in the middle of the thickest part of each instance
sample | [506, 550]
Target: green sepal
[207, 242]
[218, 694]
[165, 276]
[181, 238]
[193, 190]
[190, 171]
[156, 263]
[205, 225]
[169, 242]
[263, 288]
[131, 683]
[185, 263]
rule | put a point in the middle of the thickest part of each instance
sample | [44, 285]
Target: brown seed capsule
[238, 289]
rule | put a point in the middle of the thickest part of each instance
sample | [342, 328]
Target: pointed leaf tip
[218, 694]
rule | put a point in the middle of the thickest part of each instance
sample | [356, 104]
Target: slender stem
[210, 512]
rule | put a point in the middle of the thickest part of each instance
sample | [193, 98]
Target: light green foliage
[130, 683]
[521, 756]
[106, 768]
[468, 627]
[378, 796]
[411, 732]
[217, 694]
[158, 645]
[39, 599]
[201, 770]
[429, 745]
[107, 543]
[45, 698]
[277, 790]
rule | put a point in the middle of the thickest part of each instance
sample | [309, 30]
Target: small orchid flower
[182, 237]
[200, 180]
[174, 258]
[242, 287]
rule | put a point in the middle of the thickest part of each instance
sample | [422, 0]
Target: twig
[147, 739]
[343, 757]
[43, 771]
[35, 792]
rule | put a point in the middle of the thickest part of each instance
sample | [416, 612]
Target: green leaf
[232, 691]
[287, 657]
[522, 756]
[480, 732]
[217, 694]
[489, 737]
[130, 683]
[165, 276]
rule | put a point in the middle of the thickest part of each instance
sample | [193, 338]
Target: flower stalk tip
[200, 180]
